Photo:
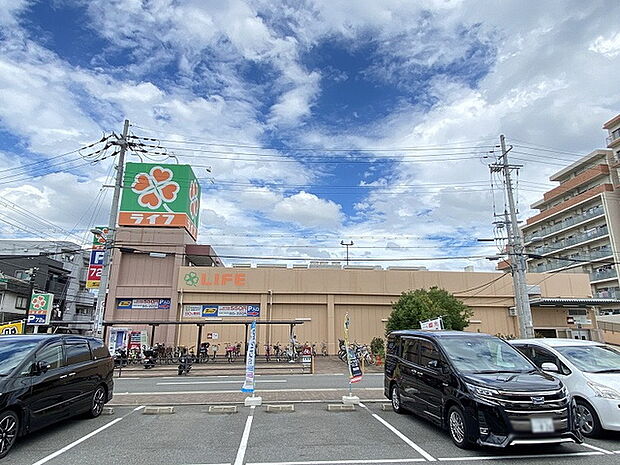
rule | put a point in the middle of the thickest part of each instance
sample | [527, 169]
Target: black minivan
[478, 387]
[47, 378]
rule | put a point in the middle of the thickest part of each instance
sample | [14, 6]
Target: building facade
[578, 226]
[61, 270]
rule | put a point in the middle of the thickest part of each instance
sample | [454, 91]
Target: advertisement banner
[355, 371]
[40, 310]
[192, 311]
[143, 304]
[213, 311]
[248, 385]
[435, 324]
[12, 328]
[159, 194]
[97, 255]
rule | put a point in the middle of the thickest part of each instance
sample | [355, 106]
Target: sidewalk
[323, 365]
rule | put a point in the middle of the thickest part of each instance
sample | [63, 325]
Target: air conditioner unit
[512, 311]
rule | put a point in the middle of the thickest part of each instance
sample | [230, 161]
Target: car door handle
[72, 374]
[63, 376]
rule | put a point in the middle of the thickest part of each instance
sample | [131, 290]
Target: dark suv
[478, 387]
[47, 378]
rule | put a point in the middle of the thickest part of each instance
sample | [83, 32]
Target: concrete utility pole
[516, 247]
[347, 245]
[109, 239]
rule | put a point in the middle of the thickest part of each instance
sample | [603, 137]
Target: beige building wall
[322, 297]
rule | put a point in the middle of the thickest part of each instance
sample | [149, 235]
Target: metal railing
[597, 211]
[577, 239]
[604, 274]
[612, 137]
[611, 294]
[580, 259]
[609, 326]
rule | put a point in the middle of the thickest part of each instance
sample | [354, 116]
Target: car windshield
[592, 358]
[484, 355]
[12, 353]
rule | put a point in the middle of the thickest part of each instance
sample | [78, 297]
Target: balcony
[603, 274]
[581, 179]
[592, 213]
[613, 137]
[577, 260]
[591, 193]
[577, 239]
[611, 294]
[85, 298]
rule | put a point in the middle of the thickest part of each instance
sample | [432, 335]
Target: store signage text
[215, 279]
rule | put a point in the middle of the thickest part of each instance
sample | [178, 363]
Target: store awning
[571, 302]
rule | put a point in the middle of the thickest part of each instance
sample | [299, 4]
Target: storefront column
[331, 326]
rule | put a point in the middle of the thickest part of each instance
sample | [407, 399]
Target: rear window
[77, 352]
[98, 349]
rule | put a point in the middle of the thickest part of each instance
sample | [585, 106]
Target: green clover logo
[191, 279]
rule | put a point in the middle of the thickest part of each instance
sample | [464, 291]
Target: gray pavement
[309, 436]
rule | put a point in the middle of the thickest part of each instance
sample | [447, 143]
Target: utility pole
[347, 245]
[516, 247]
[109, 239]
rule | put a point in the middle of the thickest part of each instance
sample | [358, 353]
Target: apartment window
[21, 303]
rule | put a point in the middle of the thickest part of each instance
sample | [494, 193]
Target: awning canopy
[571, 302]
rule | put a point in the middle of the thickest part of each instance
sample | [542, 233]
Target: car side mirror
[41, 367]
[551, 367]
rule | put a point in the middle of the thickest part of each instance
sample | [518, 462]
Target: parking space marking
[405, 439]
[217, 382]
[155, 393]
[599, 449]
[473, 458]
[75, 443]
[340, 462]
[139, 408]
[244, 438]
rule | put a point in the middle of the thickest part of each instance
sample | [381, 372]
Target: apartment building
[578, 226]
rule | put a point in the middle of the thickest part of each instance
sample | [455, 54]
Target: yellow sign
[12, 328]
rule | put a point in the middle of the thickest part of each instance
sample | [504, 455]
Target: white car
[591, 373]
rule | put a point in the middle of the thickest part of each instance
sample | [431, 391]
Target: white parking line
[599, 449]
[217, 382]
[337, 462]
[474, 458]
[75, 443]
[407, 441]
[154, 393]
[244, 438]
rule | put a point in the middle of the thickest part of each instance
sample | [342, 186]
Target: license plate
[542, 425]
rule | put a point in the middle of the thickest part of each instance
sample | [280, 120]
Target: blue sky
[377, 113]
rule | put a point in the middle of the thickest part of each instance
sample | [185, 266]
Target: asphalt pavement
[310, 435]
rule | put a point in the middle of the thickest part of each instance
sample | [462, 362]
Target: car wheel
[9, 426]
[397, 404]
[97, 402]
[587, 419]
[458, 428]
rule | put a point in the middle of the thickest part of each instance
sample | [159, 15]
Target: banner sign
[209, 311]
[12, 328]
[40, 310]
[248, 385]
[158, 194]
[432, 325]
[143, 304]
[137, 340]
[355, 371]
[97, 254]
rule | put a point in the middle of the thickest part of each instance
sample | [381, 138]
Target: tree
[421, 304]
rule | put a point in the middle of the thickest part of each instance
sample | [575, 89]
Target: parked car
[591, 373]
[478, 387]
[47, 378]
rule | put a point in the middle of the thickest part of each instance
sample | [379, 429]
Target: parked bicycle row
[362, 352]
[209, 352]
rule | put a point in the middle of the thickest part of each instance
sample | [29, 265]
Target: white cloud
[308, 210]
[609, 47]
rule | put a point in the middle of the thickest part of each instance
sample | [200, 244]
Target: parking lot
[309, 435]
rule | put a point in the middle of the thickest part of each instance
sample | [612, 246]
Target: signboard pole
[105, 272]
[250, 378]
[355, 372]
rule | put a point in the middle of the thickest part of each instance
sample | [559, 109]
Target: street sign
[97, 257]
[160, 195]
[12, 328]
[40, 310]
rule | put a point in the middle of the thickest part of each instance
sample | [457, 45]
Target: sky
[307, 123]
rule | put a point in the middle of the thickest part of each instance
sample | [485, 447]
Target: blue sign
[253, 310]
[36, 319]
[96, 257]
